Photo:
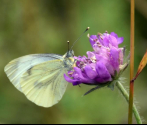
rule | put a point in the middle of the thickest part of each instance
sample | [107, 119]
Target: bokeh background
[44, 26]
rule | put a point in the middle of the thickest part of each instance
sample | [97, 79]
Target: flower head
[101, 65]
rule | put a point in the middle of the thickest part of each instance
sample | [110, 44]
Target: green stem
[126, 96]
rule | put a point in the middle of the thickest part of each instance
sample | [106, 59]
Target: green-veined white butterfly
[40, 76]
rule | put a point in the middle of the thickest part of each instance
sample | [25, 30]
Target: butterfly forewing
[16, 68]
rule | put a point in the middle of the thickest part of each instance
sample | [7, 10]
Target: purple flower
[100, 66]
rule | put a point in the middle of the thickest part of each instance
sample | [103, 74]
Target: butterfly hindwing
[44, 84]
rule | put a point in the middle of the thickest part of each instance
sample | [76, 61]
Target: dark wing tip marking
[29, 71]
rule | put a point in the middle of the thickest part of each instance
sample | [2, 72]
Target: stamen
[100, 45]
[95, 40]
[108, 49]
[101, 37]
[99, 34]
[98, 42]
[93, 59]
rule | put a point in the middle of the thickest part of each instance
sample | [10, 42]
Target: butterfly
[40, 76]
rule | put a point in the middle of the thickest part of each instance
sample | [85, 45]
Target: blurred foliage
[44, 26]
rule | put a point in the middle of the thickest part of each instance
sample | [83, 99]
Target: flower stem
[126, 96]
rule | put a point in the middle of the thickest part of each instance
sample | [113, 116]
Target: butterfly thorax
[69, 60]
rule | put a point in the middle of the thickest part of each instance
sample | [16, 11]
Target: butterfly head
[69, 54]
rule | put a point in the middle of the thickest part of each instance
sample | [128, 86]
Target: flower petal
[114, 34]
[106, 42]
[121, 55]
[97, 48]
[113, 41]
[103, 74]
[106, 62]
[114, 58]
[90, 72]
[120, 40]
[93, 39]
[90, 54]
[80, 75]
[73, 81]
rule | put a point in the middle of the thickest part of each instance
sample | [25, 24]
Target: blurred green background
[44, 26]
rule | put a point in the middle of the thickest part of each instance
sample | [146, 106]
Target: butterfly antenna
[80, 37]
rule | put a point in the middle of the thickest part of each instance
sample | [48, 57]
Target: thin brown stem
[130, 115]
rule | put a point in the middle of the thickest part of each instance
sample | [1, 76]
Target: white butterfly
[40, 76]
